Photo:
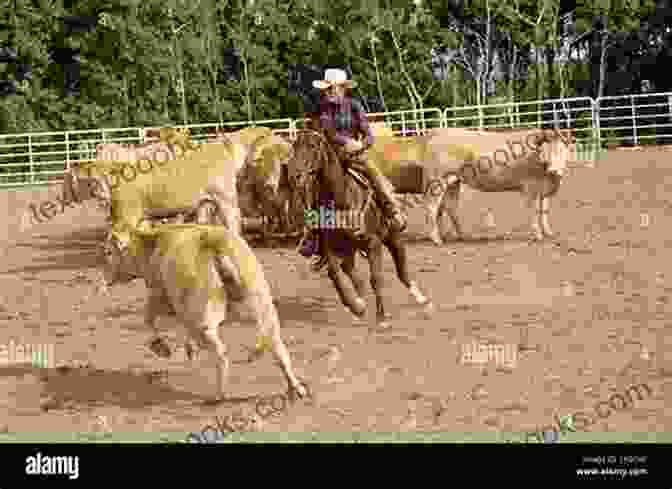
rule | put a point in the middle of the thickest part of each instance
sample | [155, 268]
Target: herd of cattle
[199, 268]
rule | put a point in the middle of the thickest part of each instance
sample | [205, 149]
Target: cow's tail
[71, 187]
[229, 216]
[243, 277]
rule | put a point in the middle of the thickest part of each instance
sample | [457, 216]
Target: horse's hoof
[359, 307]
[384, 324]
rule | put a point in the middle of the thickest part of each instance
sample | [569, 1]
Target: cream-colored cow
[200, 274]
[535, 166]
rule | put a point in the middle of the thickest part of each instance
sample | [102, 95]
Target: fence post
[597, 131]
[292, 129]
[634, 123]
[30, 156]
[67, 151]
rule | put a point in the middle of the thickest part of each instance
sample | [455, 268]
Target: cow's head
[557, 150]
[270, 155]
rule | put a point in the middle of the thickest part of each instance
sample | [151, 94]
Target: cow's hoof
[160, 348]
[428, 310]
[300, 391]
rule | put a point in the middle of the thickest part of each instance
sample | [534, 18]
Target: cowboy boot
[385, 192]
[309, 245]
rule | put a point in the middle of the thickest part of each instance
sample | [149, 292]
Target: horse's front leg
[349, 296]
[357, 281]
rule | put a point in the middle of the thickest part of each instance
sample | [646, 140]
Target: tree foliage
[155, 63]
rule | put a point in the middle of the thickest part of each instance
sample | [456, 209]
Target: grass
[332, 438]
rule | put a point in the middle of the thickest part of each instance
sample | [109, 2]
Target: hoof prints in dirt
[68, 386]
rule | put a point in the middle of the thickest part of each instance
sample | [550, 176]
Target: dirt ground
[588, 314]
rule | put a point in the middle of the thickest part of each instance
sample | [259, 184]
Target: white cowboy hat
[334, 77]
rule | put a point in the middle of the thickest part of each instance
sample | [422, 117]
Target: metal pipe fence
[41, 158]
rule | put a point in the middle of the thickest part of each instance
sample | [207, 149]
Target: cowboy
[342, 117]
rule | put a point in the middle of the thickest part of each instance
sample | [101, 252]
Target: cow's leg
[545, 225]
[157, 306]
[202, 318]
[534, 202]
[433, 218]
[449, 204]
[268, 322]
[215, 345]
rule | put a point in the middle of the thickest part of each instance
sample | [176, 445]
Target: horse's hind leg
[398, 252]
[375, 257]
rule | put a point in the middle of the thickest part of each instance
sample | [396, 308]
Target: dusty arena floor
[588, 315]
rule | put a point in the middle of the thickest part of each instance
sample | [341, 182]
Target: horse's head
[311, 153]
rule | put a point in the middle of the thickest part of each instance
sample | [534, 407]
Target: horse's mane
[319, 153]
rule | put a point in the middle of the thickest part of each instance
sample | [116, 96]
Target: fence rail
[40, 158]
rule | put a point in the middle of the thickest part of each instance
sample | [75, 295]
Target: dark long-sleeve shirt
[343, 119]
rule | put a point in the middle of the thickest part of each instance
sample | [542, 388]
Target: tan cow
[89, 179]
[208, 173]
[200, 274]
[257, 181]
